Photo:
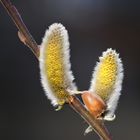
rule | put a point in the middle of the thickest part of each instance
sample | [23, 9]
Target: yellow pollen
[54, 66]
[106, 75]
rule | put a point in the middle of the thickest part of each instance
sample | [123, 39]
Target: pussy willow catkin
[56, 76]
[107, 78]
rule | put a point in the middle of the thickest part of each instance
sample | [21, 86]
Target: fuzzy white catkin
[115, 93]
[59, 32]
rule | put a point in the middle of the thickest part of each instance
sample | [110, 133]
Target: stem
[14, 14]
[90, 119]
[31, 43]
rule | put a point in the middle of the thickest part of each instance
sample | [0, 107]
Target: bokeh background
[93, 26]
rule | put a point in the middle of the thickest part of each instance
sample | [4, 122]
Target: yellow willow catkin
[54, 64]
[107, 77]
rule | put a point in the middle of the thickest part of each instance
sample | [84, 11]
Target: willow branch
[97, 125]
[29, 41]
[14, 14]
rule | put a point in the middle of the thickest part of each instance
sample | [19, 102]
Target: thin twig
[14, 14]
[98, 125]
[29, 41]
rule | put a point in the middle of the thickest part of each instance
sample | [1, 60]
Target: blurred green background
[93, 26]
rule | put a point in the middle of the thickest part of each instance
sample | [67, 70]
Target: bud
[94, 103]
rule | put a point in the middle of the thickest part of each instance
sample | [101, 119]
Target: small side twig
[29, 41]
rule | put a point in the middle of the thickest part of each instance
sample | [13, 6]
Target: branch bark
[14, 14]
[29, 41]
